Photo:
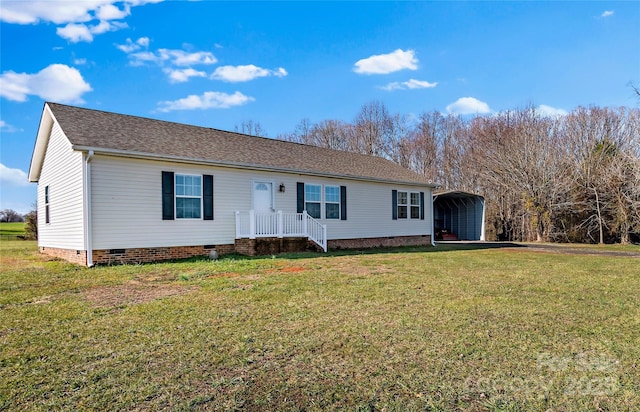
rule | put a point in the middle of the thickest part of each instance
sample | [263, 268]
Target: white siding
[62, 172]
[127, 205]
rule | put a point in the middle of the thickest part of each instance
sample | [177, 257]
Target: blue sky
[217, 64]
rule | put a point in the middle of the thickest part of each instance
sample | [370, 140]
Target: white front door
[263, 197]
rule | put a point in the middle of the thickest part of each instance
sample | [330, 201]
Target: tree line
[568, 178]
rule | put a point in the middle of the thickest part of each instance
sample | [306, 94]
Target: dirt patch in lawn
[131, 293]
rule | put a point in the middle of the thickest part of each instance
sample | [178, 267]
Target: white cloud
[468, 105]
[549, 111]
[607, 13]
[111, 12]
[143, 41]
[183, 58]
[79, 62]
[387, 63]
[13, 177]
[208, 100]
[183, 75]
[77, 32]
[140, 58]
[177, 60]
[56, 82]
[72, 14]
[105, 26]
[410, 84]
[7, 128]
[173, 57]
[58, 12]
[245, 73]
[131, 46]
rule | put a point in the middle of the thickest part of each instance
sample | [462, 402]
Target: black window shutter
[300, 188]
[394, 204]
[207, 197]
[167, 195]
[421, 205]
[343, 203]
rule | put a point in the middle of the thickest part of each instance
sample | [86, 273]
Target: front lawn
[11, 230]
[403, 329]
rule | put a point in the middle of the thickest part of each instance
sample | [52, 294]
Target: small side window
[46, 205]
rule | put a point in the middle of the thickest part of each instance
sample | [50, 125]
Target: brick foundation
[78, 257]
[392, 241]
[135, 255]
[155, 254]
[249, 247]
[271, 246]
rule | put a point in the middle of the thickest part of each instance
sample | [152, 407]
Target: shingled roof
[106, 132]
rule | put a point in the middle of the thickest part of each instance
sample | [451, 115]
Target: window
[188, 196]
[313, 200]
[321, 201]
[402, 205]
[415, 205]
[46, 204]
[332, 202]
[409, 205]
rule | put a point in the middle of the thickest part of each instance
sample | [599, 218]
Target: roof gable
[142, 137]
[40, 146]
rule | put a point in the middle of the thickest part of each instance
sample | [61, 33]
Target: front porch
[279, 225]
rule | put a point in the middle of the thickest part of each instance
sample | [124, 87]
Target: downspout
[433, 217]
[87, 208]
[482, 232]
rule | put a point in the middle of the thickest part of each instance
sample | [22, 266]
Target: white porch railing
[253, 225]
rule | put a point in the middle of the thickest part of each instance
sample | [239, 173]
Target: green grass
[395, 330]
[11, 230]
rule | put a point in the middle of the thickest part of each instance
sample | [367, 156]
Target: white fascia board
[40, 147]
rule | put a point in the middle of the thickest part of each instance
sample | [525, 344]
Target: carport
[458, 216]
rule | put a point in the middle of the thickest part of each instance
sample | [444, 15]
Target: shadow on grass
[454, 246]
[440, 247]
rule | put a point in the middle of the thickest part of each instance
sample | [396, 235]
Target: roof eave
[40, 146]
[238, 165]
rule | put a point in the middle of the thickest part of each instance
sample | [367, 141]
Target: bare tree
[300, 133]
[399, 145]
[332, 134]
[372, 127]
[518, 155]
[569, 178]
[10, 215]
[251, 127]
[604, 149]
[424, 143]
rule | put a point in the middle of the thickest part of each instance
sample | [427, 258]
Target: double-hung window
[402, 205]
[188, 196]
[415, 205]
[313, 200]
[332, 202]
[322, 201]
[409, 205]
